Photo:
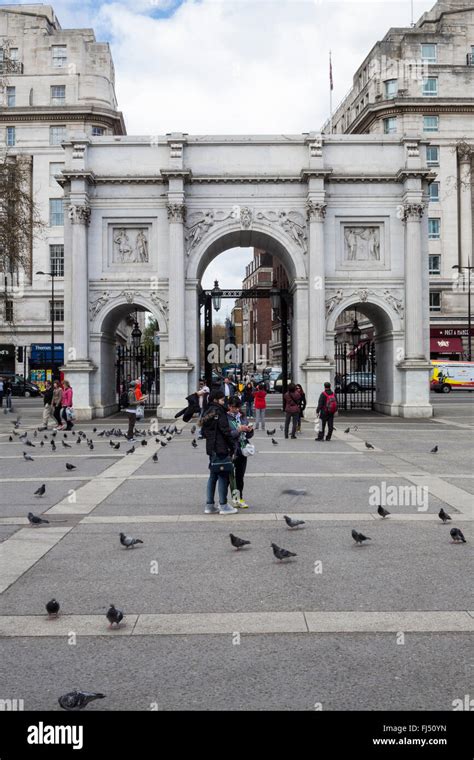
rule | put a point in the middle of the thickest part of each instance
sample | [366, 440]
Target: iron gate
[355, 375]
[142, 363]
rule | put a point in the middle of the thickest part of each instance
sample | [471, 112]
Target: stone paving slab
[17, 497]
[23, 549]
[263, 672]
[6, 531]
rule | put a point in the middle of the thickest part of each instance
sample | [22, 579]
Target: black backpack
[124, 399]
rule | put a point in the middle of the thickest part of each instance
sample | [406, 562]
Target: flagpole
[330, 93]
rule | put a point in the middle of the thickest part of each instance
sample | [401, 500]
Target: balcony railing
[470, 59]
[8, 66]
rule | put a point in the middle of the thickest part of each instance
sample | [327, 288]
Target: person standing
[66, 406]
[219, 446]
[327, 408]
[292, 399]
[228, 388]
[247, 399]
[135, 398]
[260, 402]
[1, 392]
[56, 402]
[241, 432]
[302, 406]
[8, 392]
[48, 405]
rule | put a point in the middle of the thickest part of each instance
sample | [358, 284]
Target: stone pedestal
[317, 372]
[79, 374]
[415, 388]
[173, 393]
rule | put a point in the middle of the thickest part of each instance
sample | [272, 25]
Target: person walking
[56, 402]
[228, 388]
[302, 406]
[327, 408]
[247, 399]
[259, 397]
[66, 406]
[292, 400]
[1, 392]
[219, 448]
[241, 432]
[135, 399]
[8, 392]
[48, 405]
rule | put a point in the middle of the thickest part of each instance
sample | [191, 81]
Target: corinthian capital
[412, 211]
[316, 211]
[176, 212]
[79, 214]
[465, 151]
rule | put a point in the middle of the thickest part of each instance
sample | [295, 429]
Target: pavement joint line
[25, 548]
[283, 622]
[267, 517]
[447, 492]
[443, 421]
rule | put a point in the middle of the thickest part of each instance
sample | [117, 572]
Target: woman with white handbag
[134, 409]
[241, 433]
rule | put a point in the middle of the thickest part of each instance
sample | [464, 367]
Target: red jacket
[259, 397]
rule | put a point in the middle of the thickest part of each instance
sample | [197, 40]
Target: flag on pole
[331, 83]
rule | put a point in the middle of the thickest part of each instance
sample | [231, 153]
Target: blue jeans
[249, 408]
[223, 479]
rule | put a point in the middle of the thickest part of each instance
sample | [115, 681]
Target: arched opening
[364, 342]
[125, 346]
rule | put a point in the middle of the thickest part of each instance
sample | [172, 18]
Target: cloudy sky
[234, 66]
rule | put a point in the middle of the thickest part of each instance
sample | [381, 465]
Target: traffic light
[19, 354]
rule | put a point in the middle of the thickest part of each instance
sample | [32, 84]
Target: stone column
[465, 153]
[79, 216]
[414, 348]
[177, 342]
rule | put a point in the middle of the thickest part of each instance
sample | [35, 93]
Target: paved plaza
[384, 626]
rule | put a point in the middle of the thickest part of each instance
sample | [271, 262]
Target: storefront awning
[446, 346]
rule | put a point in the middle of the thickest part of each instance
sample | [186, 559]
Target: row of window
[429, 87]
[58, 55]
[430, 124]
[56, 311]
[57, 135]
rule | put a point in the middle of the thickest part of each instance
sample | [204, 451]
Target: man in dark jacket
[292, 399]
[48, 406]
[326, 398]
[219, 445]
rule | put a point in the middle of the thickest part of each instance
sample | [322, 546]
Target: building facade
[420, 81]
[257, 312]
[52, 81]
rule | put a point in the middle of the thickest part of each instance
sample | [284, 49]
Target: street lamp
[468, 267]
[216, 294]
[53, 365]
[136, 335]
[275, 296]
[355, 332]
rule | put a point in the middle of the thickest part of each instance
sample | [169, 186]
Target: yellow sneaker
[241, 504]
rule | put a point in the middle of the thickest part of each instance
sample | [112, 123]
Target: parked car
[270, 375]
[278, 385]
[21, 387]
[358, 381]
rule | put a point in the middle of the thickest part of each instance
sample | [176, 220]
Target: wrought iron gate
[142, 363]
[355, 375]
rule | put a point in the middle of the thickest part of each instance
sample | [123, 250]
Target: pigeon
[294, 492]
[281, 428]
[40, 491]
[52, 608]
[128, 541]
[368, 445]
[78, 441]
[54, 433]
[434, 450]
[29, 443]
[117, 446]
[111, 443]
[78, 700]
[144, 443]
[66, 445]
[114, 616]
[10, 439]
[94, 430]
[282, 553]
[163, 443]
[42, 444]
[359, 537]
[35, 434]
[193, 429]
[70, 466]
[238, 542]
[91, 446]
[382, 512]
[101, 434]
[443, 515]
[130, 451]
[53, 446]
[169, 437]
[347, 430]
[271, 432]
[15, 433]
[35, 520]
[27, 457]
[457, 536]
[155, 457]
[293, 523]
[194, 443]
[275, 443]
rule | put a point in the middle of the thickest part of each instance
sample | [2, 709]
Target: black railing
[142, 363]
[355, 375]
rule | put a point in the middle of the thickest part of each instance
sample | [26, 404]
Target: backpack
[331, 403]
[124, 399]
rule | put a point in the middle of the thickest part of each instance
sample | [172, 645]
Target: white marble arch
[102, 341]
[389, 346]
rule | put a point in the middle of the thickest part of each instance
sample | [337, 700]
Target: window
[471, 63]
[435, 301]
[390, 125]
[434, 192]
[391, 88]
[97, 131]
[430, 87]
[56, 258]
[430, 123]
[59, 56]
[54, 169]
[11, 97]
[58, 95]
[432, 155]
[56, 310]
[429, 53]
[434, 264]
[57, 135]
[8, 311]
[56, 212]
[434, 226]
[13, 55]
[11, 137]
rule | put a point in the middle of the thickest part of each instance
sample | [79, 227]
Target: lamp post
[355, 332]
[459, 268]
[53, 365]
[216, 295]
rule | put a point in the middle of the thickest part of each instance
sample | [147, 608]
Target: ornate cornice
[67, 175]
[244, 179]
[176, 212]
[422, 173]
[91, 115]
[307, 174]
[79, 214]
[395, 107]
[184, 174]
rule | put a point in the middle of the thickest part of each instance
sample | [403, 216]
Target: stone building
[52, 81]
[420, 81]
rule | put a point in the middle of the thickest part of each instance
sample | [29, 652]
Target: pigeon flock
[77, 699]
